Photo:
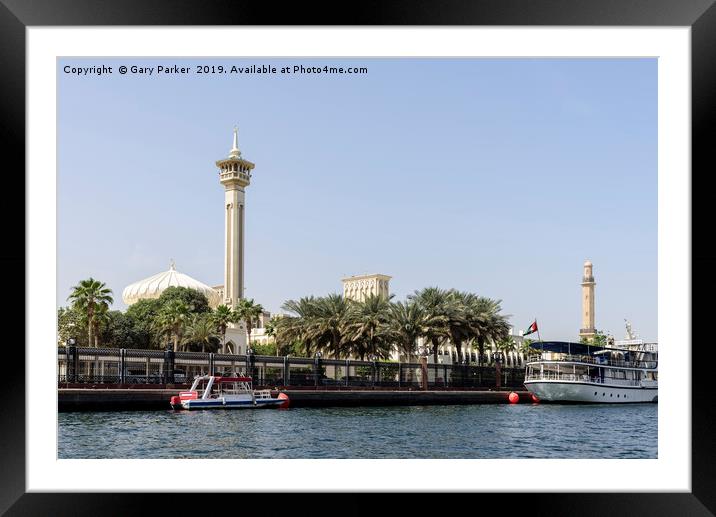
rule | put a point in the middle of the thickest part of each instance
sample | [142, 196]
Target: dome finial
[172, 265]
[235, 153]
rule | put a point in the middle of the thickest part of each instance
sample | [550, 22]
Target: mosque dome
[155, 285]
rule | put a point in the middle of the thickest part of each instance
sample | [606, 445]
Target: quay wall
[123, 399]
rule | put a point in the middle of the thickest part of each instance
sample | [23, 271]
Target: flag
[532, 328]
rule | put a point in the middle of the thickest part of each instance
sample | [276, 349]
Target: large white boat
[583, 373]
[214, 392]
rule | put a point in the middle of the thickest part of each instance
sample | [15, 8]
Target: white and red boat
[214, 392]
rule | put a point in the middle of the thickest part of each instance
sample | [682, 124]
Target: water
[475, 431]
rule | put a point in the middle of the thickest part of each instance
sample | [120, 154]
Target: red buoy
[514, 398]
[286, 402]
[534, 398]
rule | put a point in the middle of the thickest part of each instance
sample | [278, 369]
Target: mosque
[235, 175]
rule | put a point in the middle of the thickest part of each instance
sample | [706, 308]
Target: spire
[235, 153]
[172, 265]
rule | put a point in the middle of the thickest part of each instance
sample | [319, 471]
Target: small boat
[584, 373]
[215, 392]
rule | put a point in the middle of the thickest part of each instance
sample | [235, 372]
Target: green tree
[599, 339]
[195, 300]
[70, 322]
[435, 303]
[506, 346]
[300, 328]
[201, 331]
[408, 321]
[264, 348]
[142, 316]
[122, 331]
[487, 324]
[365, 328]
[101, 321]
[173, 319]
[459, 325]
[272, 327]
[332, 314]
[87, 296]
[222, 317]
[248, 311]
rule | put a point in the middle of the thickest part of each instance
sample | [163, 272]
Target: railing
[152, 367]
[570, 377]
[596, 361]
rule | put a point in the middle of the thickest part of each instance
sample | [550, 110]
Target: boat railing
[571, 377]
[598, 361]
[262, 394]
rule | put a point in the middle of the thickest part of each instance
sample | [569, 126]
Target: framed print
[498, 150]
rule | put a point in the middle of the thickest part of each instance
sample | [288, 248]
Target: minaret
[587, 331]
[235, 176]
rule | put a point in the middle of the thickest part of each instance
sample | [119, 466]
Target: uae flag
[532, 328]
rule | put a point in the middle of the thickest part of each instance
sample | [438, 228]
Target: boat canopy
[565, 347]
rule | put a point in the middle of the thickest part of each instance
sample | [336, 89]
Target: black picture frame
[699, 15]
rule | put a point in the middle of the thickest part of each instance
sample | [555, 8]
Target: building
[154, 286]
[361, 286]
[234, 176]
[588, 330]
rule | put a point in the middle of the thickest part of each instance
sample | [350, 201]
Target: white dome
[153, 287]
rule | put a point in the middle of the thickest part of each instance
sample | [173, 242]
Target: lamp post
[72, 360]
[250, 361]
[316, 368]
[169, 364]
[498, 368]
[423, 351]
[374, 359]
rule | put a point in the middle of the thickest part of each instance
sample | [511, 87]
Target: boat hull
[231, 404]
[590, 393]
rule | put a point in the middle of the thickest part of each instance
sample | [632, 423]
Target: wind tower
[235, 176]
[588, 331]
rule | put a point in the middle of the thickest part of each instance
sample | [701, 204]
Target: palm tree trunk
[435, 350]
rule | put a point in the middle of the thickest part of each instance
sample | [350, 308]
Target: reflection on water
[476, 431]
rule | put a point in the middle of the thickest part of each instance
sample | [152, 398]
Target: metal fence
[130, 366]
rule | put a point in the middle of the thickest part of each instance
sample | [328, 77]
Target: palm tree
[485, 323]
[435, 303]
[172, 319]
[101, 319]
[301, 327]
[201, 330]
[408, 322]
[272, 330]
[332, 313]
[248, 311]
[525, 348]
[506, 346]
[87, 296]
[458, 319]
[221, 318]
[366, 328]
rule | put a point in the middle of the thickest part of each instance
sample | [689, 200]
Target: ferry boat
[215, 392]
[584, 373]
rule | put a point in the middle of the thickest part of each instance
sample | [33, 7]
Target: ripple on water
[489, 431]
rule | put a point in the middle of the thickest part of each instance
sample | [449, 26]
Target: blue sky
[496, 176]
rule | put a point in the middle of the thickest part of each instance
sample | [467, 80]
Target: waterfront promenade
[125, 399]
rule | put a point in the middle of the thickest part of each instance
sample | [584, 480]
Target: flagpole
[538, 336]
